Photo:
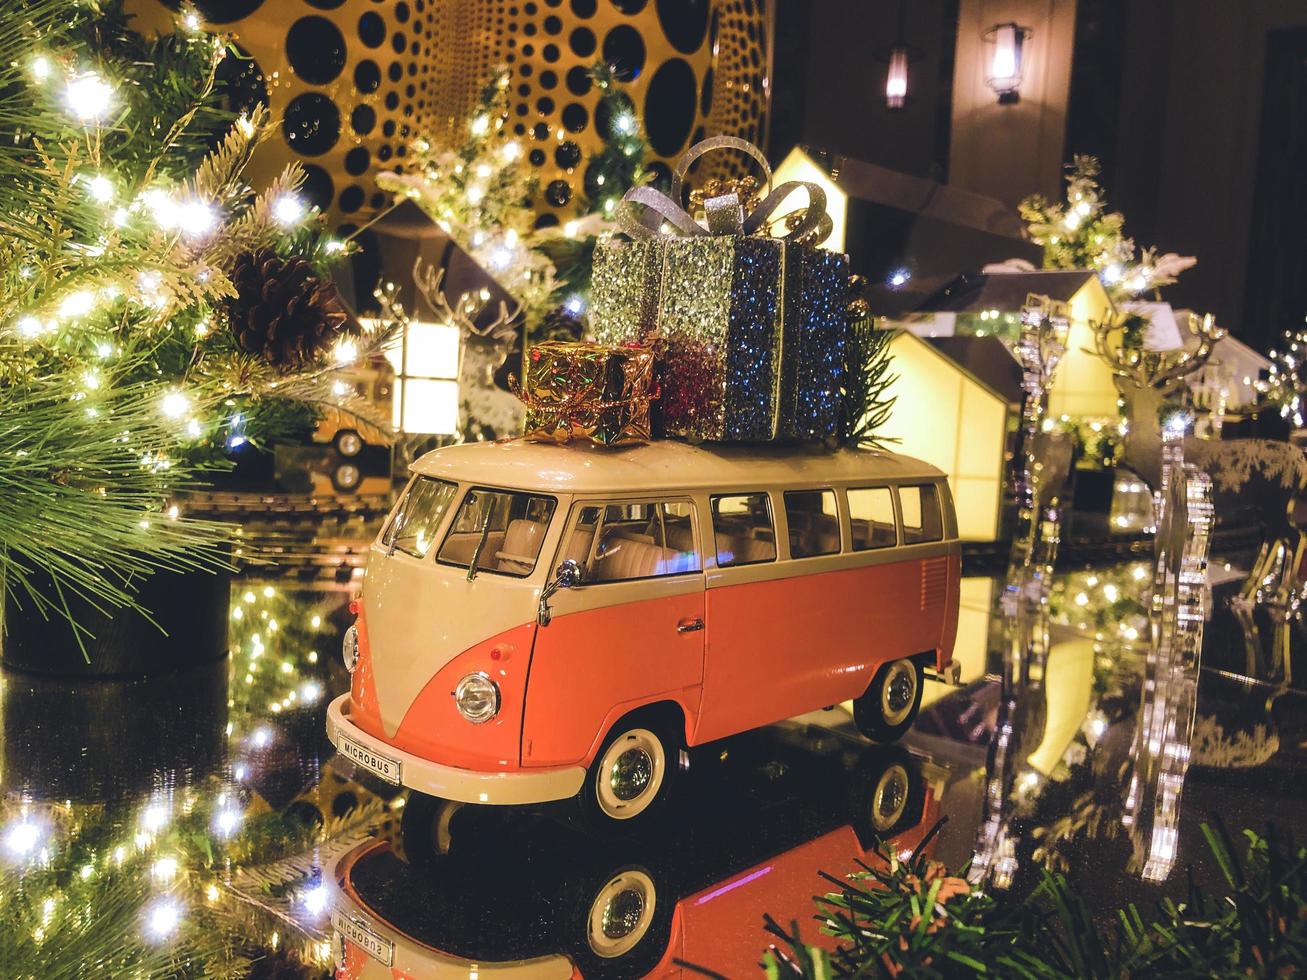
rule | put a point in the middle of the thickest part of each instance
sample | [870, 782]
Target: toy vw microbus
[542, 623]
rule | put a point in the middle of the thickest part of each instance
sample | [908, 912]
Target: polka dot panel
[351, 82]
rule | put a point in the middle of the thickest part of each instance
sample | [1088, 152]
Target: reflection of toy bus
[517, 895]
[372, 381]
[698, 593]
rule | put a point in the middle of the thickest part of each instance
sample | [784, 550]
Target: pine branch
[868, 380]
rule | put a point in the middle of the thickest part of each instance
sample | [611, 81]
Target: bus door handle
[689, 626]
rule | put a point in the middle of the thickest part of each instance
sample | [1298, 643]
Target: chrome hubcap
[899, 691]
[623, 914]
[631, 774]
[890, 798]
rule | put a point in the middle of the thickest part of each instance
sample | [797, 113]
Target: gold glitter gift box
[751, 330]
[597, 393]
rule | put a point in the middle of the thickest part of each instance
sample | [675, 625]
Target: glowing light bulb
[288, 209]
[314, 899]
[194, 218]
[88, 97]
[162, 919]
[226, 822]
[347, 351]
[165, 869]
[30, 326]
[101, 188]
[22, 837]
[174, 404]
[41, 68]
[77, 304]
[511, 150]
[480, 125]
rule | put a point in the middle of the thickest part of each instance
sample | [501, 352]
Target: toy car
[542, 622]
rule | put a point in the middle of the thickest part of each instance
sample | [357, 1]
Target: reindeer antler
[427, 277]
[1162, 370]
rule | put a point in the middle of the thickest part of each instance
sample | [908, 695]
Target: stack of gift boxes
[724, 333]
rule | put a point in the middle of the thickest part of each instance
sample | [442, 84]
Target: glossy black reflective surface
[200, 822]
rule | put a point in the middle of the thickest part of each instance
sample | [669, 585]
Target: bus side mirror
[566, 576]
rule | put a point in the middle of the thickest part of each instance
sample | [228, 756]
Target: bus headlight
[349, 648]
[477, 698]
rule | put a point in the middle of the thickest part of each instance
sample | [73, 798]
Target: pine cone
[282, 310]
[561, 324]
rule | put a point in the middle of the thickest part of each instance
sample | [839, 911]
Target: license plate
[387, 769]
[382, 950]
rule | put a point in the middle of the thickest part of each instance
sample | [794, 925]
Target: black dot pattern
[353, 82]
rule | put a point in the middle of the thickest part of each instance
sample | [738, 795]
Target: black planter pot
[189, 608]
[105, 739]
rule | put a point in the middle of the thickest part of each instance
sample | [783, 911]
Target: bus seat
[680, 537]
[742, 549]
[578, 545]
[521, 545]
[625, 559]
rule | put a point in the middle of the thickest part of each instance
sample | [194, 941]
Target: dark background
[1196, 108]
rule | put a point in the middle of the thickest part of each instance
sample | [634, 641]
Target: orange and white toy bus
[541, 623]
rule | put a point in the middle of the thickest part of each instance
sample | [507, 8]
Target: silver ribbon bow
[725, 214]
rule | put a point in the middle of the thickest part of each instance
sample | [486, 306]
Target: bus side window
[743, 529]
[921, 515]
[814, 523]
[871, 516]
[636, 540]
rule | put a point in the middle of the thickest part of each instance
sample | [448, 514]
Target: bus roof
[663, 465]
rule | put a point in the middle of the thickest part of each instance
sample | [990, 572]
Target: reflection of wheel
[425, 828]
[886, 795]
[889, 798]
[631, 778]
[346, 477]
[348, 442]
[886, 711]
[625, 924]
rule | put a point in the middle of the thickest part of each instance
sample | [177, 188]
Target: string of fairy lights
[275, 671]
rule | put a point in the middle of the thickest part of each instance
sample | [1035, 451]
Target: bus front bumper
[446, 782]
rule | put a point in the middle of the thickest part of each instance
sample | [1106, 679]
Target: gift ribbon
[725, 214]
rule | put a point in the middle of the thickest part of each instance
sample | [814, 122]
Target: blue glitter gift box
[752, 331]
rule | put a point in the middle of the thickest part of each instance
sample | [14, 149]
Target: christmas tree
[136, 341]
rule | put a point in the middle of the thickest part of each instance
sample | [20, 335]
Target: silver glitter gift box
[751, 329]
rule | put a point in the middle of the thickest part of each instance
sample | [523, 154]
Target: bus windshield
[421, 509]
[501, 530]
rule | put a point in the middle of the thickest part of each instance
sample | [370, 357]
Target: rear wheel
[630, 780]
[889, 706]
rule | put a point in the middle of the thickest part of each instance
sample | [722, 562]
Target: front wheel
[889, 706]
[630, 780]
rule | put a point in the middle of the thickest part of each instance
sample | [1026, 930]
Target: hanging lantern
[896, 79]
[1003, 44]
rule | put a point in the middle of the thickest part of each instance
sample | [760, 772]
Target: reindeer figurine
[1145, 378]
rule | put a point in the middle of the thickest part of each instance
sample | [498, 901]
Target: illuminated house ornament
[1003, 44]
[426, 360]
[798, 165]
